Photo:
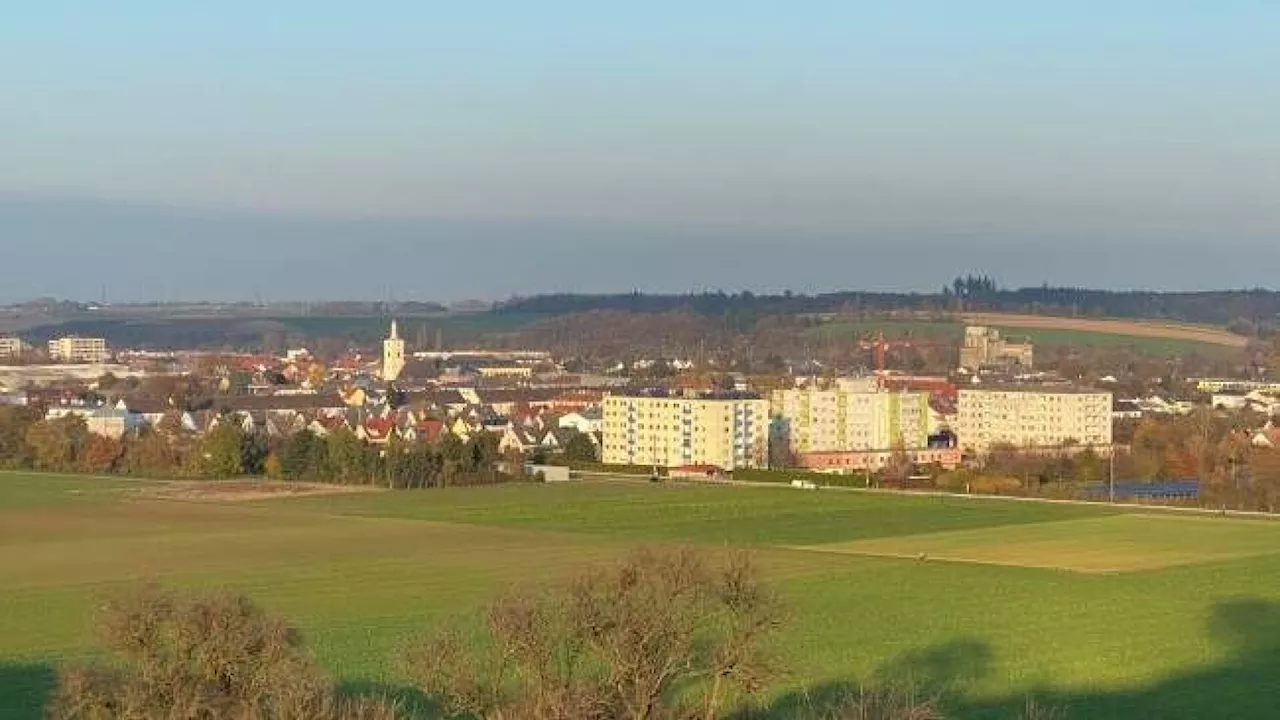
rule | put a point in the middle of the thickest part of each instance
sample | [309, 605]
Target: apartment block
[1032, 418]
[78, 350]
[11, 347]
[851, 414]
[517, 372]
[728, 430]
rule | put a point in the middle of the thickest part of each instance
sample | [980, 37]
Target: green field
[1109, 614]
[951, 333]
[1113, 544]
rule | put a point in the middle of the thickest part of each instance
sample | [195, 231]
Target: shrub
[212, 656]
[658, 634]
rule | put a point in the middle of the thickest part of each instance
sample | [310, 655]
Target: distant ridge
[1245, 312]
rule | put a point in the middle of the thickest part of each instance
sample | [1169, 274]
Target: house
[105, 420]
[588, 421]
[424, 431]
[556, 438]
[1267, 437]
[377, 431]
[325, 425]
[517, 438]
[1126, 410]
[1229, 401]
[526, 439]
[461, 429]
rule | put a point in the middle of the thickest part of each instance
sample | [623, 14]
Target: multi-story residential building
[78, 350]
[983, 346]
[850, 414]
[1225, 385]
[727, 430]
[1033, 418]
[11, 347]
[854, 424]
[523, 372]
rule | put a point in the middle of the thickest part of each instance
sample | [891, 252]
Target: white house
[588, 422]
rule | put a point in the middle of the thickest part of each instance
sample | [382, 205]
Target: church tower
[392, 354]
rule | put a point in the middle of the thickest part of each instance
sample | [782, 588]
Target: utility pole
[1111, 474]
[1235, 477]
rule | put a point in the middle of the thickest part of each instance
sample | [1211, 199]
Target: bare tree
[661, 634]
[202, 657]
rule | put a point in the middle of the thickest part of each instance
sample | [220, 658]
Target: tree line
[31, 442]
[1247, 310]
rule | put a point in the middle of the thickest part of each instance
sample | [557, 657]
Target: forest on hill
[1249, 312]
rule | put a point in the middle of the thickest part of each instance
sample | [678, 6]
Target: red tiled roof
[379, 427]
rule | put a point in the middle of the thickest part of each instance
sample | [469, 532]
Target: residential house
[377, 431]
[589, 421]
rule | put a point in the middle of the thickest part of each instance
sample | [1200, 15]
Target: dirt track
[1133, 328]
[240, 491]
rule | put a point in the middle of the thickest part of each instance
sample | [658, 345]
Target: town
[993, 423]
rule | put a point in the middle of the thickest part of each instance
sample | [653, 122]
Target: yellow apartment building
[850, 414]
[78, 350]
[727, 430]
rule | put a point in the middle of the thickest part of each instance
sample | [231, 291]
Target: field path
[1133, 328]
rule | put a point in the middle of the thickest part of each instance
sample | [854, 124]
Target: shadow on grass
[1246, 685]
[411, 701]
[938, 676]
[24, 690]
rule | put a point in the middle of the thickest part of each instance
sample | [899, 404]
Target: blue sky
[659, 145]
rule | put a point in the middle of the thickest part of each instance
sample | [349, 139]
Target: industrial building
[983, 346]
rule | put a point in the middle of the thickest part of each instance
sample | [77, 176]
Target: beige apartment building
[513, 372]
[1033, 418]
[78, 350]
[11, 347]
[728, 430]
[850, 414]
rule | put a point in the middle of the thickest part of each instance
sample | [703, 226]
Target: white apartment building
[78, 350]
[1032, 418]
[728, 431]
[850, 414]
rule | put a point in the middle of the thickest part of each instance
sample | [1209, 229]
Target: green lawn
[1118, 543]
[1186, 625]
[1162, 347]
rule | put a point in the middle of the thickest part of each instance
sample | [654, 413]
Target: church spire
[392, 354]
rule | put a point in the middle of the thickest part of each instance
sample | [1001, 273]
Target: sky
[447, 150]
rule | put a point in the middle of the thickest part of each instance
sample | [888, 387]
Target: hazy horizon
[301, 151]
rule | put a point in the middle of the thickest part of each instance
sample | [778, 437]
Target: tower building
[392, 354]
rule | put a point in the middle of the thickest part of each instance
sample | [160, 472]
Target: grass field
[1185, 622]
[1135, 335]
[1117, 543]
